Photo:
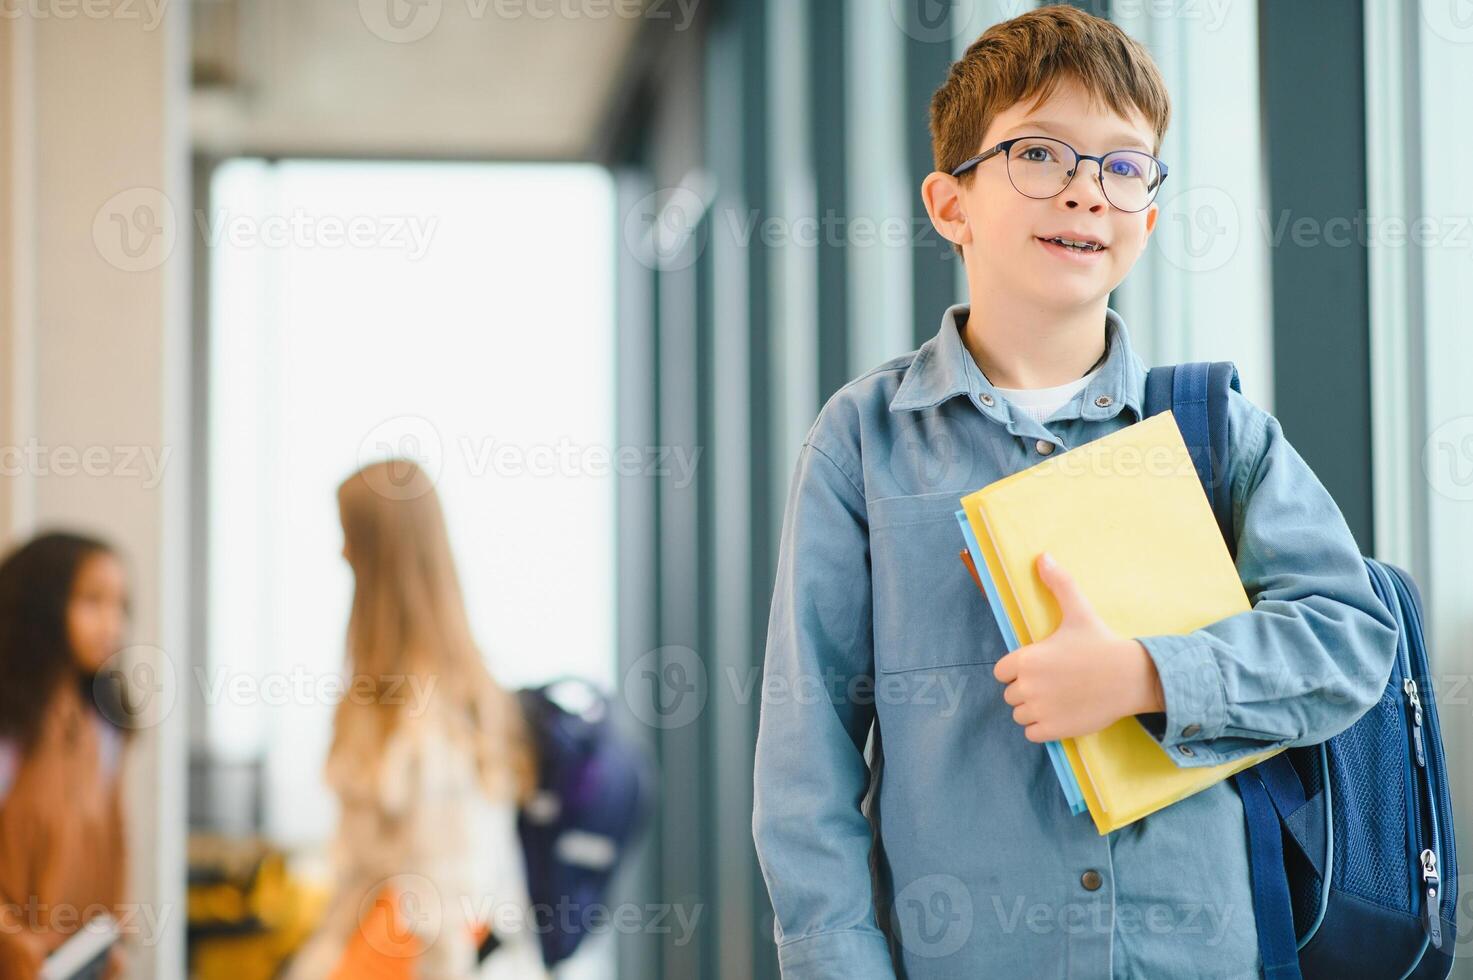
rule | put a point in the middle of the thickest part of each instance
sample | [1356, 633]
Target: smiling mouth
[1074, 246]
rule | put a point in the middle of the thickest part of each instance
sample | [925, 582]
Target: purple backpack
[594, 790]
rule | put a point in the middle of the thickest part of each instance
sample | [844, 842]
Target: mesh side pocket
[1368, 764]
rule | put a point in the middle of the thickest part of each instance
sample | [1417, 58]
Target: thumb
[1072, 603]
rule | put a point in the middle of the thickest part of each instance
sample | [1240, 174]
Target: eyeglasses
[1129, 178]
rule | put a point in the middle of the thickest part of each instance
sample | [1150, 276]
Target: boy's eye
[1124, 168]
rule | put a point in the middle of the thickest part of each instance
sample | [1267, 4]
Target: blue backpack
[1354, 867]
[594, 790]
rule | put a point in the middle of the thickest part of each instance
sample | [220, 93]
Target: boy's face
[1003, 233]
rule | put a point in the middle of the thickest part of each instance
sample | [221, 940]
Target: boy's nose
[1085, 189]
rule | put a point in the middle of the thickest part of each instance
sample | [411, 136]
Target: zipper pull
[1431, 916]
[1410, 687]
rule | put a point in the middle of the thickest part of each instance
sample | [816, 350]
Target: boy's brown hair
[1026, 58]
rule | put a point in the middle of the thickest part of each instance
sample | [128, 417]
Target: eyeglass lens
[1039, 168]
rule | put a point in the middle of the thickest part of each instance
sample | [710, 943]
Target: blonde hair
[408, 619]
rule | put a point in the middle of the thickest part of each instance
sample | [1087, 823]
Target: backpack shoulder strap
[1197, 394]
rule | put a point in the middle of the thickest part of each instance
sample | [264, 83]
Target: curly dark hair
[35, 654]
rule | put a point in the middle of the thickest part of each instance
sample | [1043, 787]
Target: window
[460, 314]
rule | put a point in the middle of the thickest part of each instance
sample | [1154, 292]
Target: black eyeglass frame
[1007, 145]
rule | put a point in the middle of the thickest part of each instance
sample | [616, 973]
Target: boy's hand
[1083, 677]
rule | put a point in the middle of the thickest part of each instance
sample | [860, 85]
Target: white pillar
[94, 338]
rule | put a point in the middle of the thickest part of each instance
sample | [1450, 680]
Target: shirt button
[1091, 880]
[1104, 401]
[1190, 730]
[987, 400]
[1044, 447]
[1185, 750]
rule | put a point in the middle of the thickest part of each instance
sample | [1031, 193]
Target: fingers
[1072, 602]
[1006, 669]
[1025, 714]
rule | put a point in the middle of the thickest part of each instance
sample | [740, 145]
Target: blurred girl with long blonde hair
[429, 757]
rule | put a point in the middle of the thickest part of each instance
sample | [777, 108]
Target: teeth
[1082, 246]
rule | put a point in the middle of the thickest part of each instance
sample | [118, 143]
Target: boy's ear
[1151, 214]
[942, 194]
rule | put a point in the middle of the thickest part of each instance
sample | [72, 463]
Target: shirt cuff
[846, 954]
[1196, 698]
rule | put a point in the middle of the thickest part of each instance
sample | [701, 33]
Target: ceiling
[518, 79]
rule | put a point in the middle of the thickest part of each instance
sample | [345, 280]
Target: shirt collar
[943, 368]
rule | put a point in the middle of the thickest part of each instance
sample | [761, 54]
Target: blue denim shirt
[951, 853]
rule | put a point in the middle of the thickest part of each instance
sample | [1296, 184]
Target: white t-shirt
[1040, 403]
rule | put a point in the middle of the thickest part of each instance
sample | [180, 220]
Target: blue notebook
[1056, 754]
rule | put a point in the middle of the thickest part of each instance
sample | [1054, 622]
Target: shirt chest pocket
[928, 612]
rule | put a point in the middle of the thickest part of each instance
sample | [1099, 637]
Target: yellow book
[1125, 515]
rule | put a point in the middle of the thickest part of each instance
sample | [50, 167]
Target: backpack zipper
[1415, 703]
[1431, 917]
[1423, 795]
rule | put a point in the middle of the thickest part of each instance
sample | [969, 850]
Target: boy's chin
[1064, 293]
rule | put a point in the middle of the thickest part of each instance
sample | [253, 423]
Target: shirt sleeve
[1315, 651]
[813, 842]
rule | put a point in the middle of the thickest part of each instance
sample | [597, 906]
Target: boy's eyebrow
[1122, 140]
